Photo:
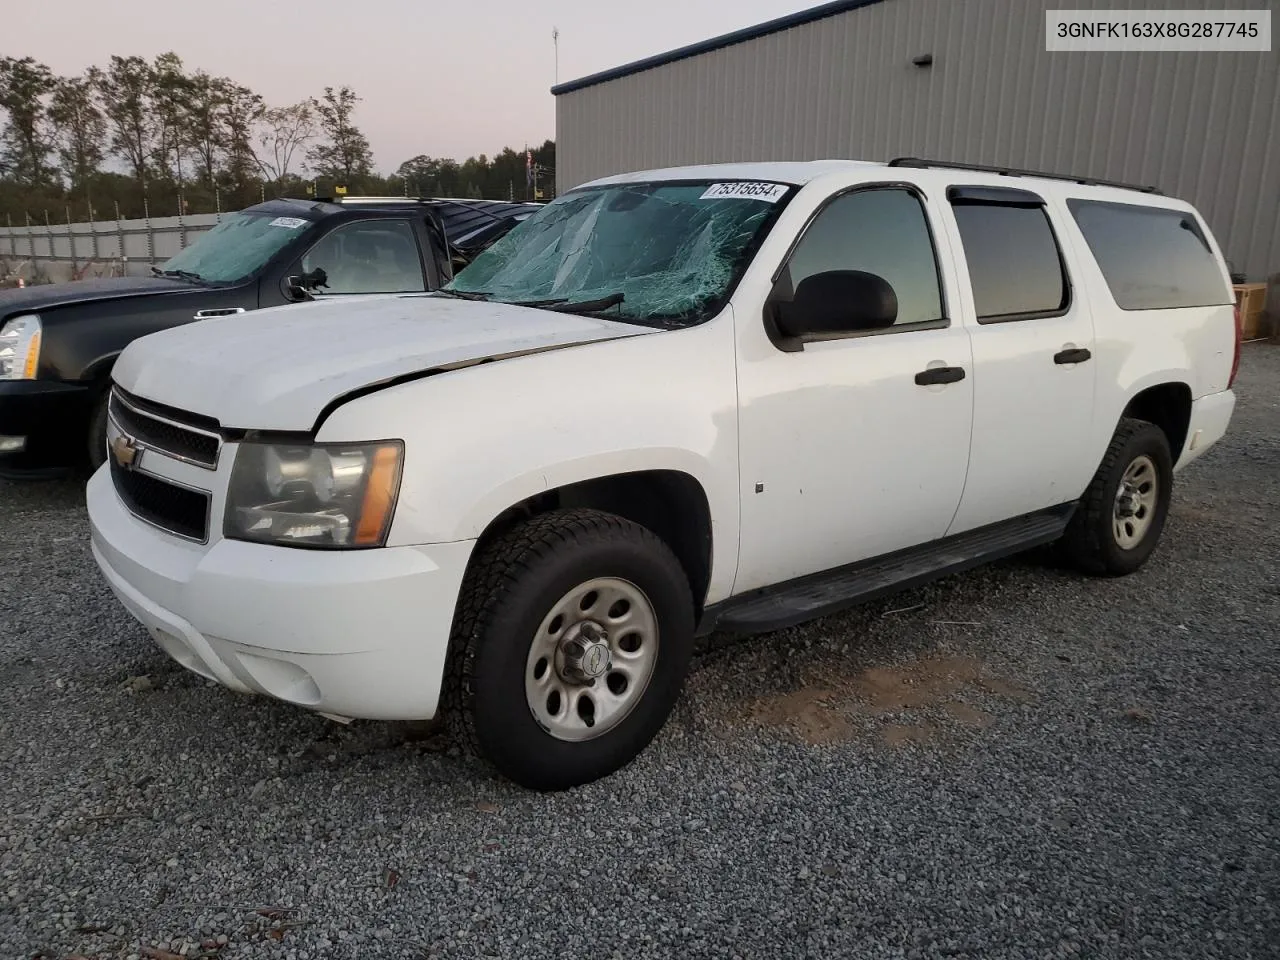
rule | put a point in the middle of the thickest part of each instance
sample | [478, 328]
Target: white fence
[42, 253]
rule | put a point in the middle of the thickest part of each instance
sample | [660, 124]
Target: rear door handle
[1072, 355]
[939, 375]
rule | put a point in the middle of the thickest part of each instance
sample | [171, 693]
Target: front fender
[481, 439]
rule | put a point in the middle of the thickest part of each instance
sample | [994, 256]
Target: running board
[820, 595]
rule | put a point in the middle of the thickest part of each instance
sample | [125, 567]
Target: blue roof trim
[715, 43]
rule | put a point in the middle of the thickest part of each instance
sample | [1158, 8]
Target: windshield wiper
[465, 294]
[582, 306]
[180, 274]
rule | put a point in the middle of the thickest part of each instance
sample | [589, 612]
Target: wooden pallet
[1251, 298]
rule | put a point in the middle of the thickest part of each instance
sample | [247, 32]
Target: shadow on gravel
[42, 495]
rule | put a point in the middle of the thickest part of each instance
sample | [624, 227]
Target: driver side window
[369, 256]
[882, 231]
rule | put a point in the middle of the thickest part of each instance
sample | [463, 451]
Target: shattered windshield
[663, 253]
[236, 248]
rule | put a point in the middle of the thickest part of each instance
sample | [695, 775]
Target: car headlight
[334, 495]
[20, 348]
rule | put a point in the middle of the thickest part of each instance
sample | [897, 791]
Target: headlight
[20, 348]
[314, 495]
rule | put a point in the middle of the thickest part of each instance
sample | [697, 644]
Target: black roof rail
[1015, 172]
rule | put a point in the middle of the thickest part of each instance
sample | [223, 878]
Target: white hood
[276, 369]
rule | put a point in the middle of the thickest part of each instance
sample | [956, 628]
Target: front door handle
[939, 375]
[217, 312]
[1072, 355]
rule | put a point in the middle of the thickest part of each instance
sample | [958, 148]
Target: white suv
[724, 397]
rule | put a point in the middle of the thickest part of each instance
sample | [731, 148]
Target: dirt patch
[970, 716]
[812, 714]
[919, 684]
[828, 708]
[901, 735]
[1002, 688]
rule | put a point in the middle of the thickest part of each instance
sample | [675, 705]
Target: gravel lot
[1016, 762]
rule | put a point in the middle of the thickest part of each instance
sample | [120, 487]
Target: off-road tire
[509, 588]
[1089, 542]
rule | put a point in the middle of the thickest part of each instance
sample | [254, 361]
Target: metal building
[963, 80]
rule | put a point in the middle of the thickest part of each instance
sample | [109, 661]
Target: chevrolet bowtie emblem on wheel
[125, 451]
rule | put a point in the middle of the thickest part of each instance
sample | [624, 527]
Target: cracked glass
[665, 254]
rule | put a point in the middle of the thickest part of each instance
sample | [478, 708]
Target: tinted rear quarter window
[1152, 258]
[1014, 264]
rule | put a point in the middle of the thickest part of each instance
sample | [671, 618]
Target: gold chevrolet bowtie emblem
[124, 450]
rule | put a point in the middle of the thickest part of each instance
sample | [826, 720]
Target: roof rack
[356, 198]
[1015, 172]
[348, 198]
[472, 205]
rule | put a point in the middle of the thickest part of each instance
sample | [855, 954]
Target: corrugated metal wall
[1202, 126]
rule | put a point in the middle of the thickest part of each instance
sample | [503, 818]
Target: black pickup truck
[58, 341]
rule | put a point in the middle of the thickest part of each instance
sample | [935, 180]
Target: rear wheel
[570, 646]
[1122, 515]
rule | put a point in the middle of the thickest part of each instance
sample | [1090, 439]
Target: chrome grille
[199, 445]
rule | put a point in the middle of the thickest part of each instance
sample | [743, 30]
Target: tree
[282, 132]
[205, 131]
[80, 129]
[427, 175]
[24, 84]
[241, 109]
[126, 93]
[168, 96]
[346, 154]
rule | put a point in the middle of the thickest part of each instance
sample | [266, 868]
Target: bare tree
[282, 132]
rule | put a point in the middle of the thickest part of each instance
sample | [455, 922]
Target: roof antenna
[555, 41]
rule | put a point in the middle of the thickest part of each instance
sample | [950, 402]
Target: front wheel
[570, 646]
[1120, 517]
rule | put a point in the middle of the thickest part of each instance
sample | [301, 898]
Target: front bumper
[359, 633]
[51, 417]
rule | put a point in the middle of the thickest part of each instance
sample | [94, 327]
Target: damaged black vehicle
[58, 342]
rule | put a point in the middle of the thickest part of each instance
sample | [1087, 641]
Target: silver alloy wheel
[1135, 505]
[591, 659]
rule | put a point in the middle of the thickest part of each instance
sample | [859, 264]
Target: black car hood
[46, 296]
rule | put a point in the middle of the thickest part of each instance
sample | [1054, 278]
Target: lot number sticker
[768, 192]
[293, 223]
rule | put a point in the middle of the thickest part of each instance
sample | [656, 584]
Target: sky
[442, 79]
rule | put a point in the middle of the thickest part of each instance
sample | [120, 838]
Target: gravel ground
[1017, 762]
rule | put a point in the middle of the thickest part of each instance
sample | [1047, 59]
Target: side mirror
[837, 302]
[298, 289]
[295, 291]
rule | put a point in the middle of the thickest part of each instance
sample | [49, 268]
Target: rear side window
[1152, 258]
[1014, 263]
